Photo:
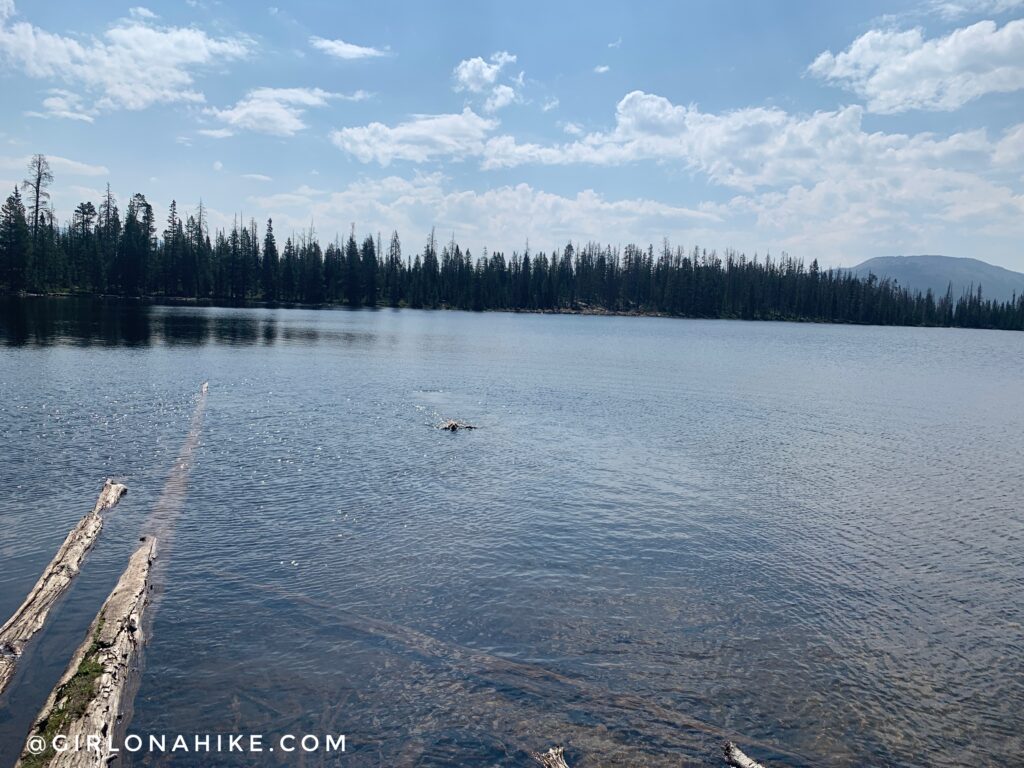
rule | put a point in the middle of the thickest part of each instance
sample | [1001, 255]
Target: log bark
[734, 756]
[57, 577]
[90, 698]
[553, 758]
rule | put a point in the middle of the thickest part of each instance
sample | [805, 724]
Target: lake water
[664, 533]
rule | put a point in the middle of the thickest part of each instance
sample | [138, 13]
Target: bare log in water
[57, 576]
[98, 684]
[553, 758]
[734, 756]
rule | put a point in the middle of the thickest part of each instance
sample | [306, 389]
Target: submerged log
[97, 686]
[57, 576]
[735, 757]
[454, 426]
[553, 758]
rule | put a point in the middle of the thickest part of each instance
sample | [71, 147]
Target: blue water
[664, 533]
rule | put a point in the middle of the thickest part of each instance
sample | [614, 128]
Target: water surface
[664, 533]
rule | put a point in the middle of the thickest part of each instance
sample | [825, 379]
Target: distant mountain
[919, 273]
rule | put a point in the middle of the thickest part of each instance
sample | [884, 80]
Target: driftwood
[57, 576]
[454, 426]
[98, 684]
[734, 756]
[553, 758]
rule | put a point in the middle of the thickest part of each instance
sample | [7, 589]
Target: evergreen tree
[97, 251]
[15, 244]
[351, 281]
[270, 264]
[36, 185]
[393, 272]
[368, 269]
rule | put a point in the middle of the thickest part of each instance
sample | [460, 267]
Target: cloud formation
[816, 182]
[956, 9]
[339, 49]
[105, 72]
[476, 75]
[58, 164]
[501, 218]
[898, 71]
[276, 111]
[420, 139]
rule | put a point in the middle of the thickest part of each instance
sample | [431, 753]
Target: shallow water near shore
[664, 533]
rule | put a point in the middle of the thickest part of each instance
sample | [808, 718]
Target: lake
[664, 532]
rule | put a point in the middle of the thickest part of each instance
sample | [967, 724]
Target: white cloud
[6, 10]
[819, 183]
[216, 133]
[550, 104]
[134, 65]
[573, 129]
[956, 9]
[897, 71]
[423, 138]
[816, 184]
[476, 75]
[500, 97]
[501, 218]
[277, 111]
[218, 165]
[339, 49]
[616, 44]
[1009, 152]
[256, 177]
[601, 69]
[58, 164]
[63, 104]
[86, 193]
[140, 12]
[744, 149]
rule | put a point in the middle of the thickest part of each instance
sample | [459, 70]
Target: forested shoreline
[101, 251]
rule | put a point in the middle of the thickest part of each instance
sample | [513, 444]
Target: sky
[829, 131]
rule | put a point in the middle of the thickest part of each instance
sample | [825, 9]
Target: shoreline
[585, 311]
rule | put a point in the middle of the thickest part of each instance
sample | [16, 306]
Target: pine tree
[270, 264]
[351, 280]
[82, 241]
[393, 272]
[136, 247]
[39, 179]
[368, 265]
[15, 244]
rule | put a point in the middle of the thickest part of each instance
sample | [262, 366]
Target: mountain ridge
[937, 272]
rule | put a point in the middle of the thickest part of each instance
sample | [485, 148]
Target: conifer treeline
[99, 251]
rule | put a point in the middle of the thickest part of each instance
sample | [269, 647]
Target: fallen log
[89, 699]
[734, 756]
[553, 758]
[57, 576]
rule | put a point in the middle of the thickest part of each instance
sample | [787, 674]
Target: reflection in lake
[121, 322]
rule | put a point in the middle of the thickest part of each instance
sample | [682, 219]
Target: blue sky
[836, 131]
